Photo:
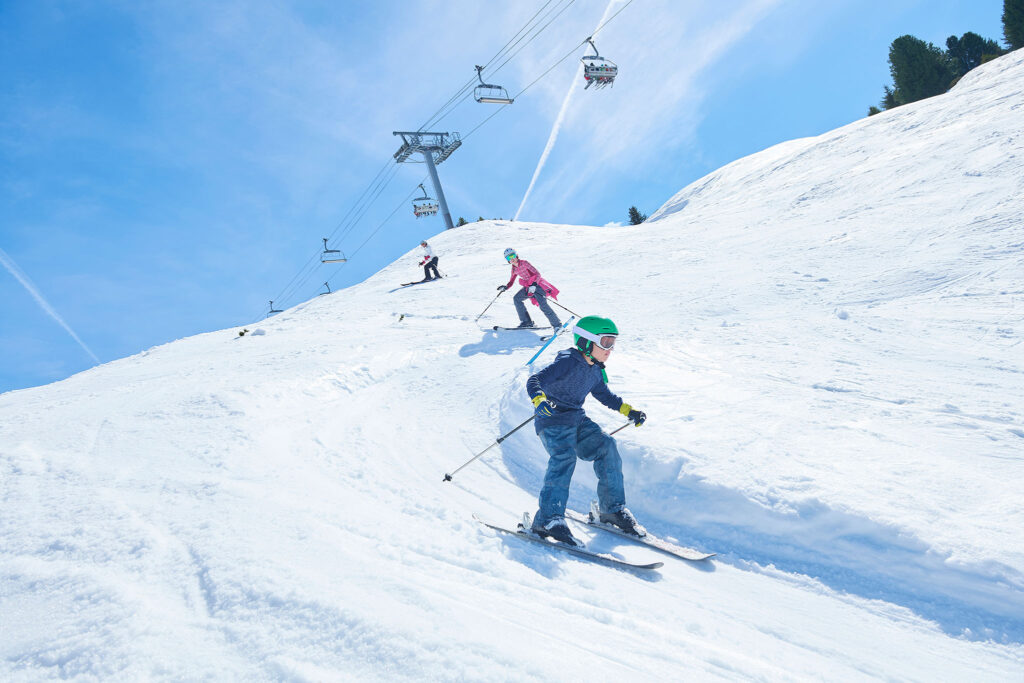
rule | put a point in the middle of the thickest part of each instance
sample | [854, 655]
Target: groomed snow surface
[826, 337]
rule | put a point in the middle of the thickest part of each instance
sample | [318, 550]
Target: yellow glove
[541, 405]
[637, 416]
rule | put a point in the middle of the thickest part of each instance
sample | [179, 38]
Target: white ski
[525, 534]
[538, 327]
[661, 544]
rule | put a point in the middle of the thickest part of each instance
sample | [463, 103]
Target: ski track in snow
[826, 337]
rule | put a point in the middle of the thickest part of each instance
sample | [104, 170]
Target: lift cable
[463, 93]
[379, 183]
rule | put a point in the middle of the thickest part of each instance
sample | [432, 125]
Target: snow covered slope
[826, 337]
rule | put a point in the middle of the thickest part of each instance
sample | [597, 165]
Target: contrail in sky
[558, 121]
[21, 277]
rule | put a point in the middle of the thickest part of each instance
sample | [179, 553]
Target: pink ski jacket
[528, 275]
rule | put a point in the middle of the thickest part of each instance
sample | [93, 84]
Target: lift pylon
[435, 148]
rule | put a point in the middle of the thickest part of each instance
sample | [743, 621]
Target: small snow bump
[832, 388]
[842, 315]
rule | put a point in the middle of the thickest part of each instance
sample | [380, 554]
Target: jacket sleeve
[603, 394]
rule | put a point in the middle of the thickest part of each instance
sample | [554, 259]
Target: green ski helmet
[594, 329]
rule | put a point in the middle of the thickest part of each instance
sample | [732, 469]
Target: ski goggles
[510, 257]
[605, 341]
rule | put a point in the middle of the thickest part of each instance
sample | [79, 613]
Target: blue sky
[169, 167]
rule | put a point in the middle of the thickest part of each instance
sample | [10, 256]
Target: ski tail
[554, 336]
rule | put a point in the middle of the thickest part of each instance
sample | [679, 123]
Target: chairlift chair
[273, 310]
[598, 71]
[332, 255]
[424, 206]
[490, 94]
[328, 289]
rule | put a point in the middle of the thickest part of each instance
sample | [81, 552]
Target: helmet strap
[586, 348]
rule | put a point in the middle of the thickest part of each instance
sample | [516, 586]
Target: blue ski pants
[566, 443]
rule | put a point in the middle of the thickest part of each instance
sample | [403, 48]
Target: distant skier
[558, 392]
[429, 263]
[536, 288]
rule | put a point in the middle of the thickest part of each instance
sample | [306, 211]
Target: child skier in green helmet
[558, 392]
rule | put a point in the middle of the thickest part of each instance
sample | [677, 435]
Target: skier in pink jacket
[536, 288]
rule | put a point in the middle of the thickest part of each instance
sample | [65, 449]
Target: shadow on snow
[844, 551]
[502, 344]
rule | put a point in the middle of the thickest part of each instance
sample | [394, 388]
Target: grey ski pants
[542, 300]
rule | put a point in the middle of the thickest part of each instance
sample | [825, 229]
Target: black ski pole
[448, 477]
[489, 305]
[621, 428]
[550, 300]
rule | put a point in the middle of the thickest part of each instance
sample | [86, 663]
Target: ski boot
[557, 529]
[621, 518]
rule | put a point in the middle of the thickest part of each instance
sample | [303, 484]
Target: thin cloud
[559, 119]
[21, 277]
[551, 142]
[656, 107]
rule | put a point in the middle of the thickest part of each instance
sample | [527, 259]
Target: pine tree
[889, 100]
[635, 217]
[462, 221]
[969, 51]
[918, 69]
[1013, 23]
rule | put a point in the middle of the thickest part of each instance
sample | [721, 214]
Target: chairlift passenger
[598, 71]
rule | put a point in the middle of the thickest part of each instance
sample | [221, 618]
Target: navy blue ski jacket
[566, 383]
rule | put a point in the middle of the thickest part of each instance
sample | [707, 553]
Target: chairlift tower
[435, 148]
